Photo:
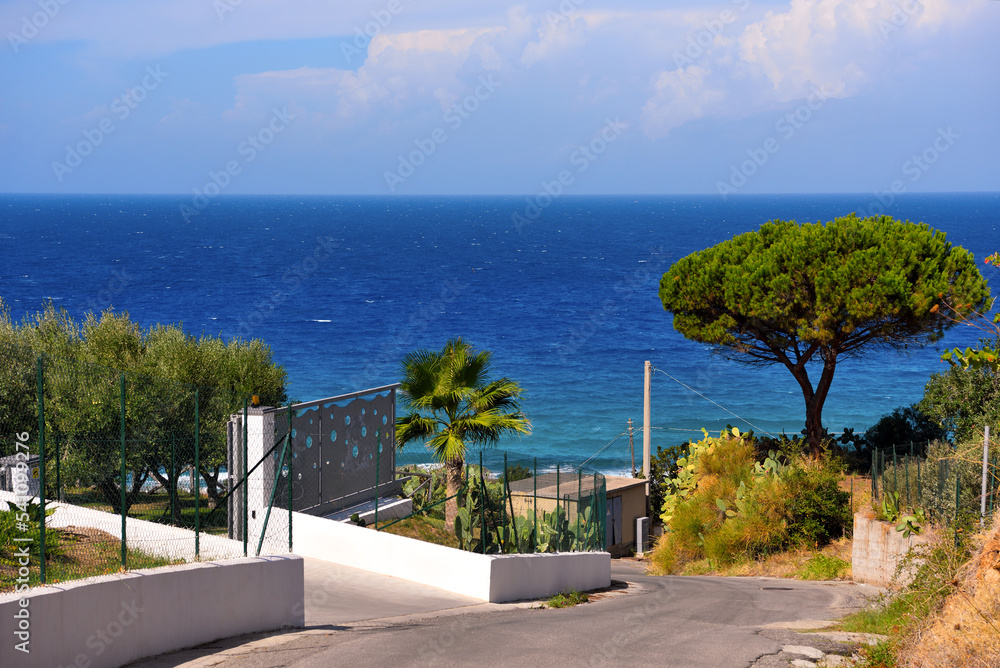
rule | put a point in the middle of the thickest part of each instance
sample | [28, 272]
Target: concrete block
[112, 620]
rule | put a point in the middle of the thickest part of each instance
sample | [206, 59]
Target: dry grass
[860, 487]
[966, 631]
[794, 564]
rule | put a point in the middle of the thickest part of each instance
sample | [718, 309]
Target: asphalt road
[690, 622]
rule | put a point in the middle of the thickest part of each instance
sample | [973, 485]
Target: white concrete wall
[494, 578]
[520, 576]
[458, 571]
[877, 551]
[115, 619]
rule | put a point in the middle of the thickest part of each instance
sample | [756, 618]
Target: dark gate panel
[335, 446]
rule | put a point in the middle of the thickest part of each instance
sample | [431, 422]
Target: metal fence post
[558, 519]
[593, 517]
[883, 473]
[482, 506]
[510, 500]
[579, 495]
[918, 480]
[895, 472]
[246, 480]
[290, 456]
[986, 454]
[122, 458]
[58, 476]
[958, 489]
[503, 506]
[992, 466]
[906, 468]
[534, 502]
[41, 468]
[196, 479]
[173, 479]
[378, 465]
[871, 474]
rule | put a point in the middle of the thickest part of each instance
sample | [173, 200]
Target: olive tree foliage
[163, 369]
[963, 399]
[807, 296]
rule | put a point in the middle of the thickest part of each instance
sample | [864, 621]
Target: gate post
[259, 429]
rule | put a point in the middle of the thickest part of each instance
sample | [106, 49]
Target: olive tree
[807, 296]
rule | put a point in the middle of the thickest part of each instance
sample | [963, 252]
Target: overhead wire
[715, 403]
[599, 452]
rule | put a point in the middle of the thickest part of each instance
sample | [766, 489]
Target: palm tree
[453, 404]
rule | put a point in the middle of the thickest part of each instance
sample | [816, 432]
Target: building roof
[569, 485]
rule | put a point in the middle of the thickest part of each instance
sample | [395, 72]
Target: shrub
[724, 506]
[819, 510]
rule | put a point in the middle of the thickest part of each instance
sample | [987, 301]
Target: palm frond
[453, 402]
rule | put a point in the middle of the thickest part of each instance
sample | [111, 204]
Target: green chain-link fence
[519, 510]
[941, 482]
[133, 469]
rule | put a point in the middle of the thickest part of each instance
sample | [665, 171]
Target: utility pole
[646, 426]
[631, 450]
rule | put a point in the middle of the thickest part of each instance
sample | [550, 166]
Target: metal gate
[343, 449]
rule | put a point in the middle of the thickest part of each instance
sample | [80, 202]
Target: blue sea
[342, 288]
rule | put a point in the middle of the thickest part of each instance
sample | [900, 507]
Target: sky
[413, 97]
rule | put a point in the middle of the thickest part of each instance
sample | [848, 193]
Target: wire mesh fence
[518, 510]
[103, 470]
[943, 483]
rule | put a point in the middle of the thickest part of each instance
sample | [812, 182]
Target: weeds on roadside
[567, 599]
[934, 569]
[824, 567]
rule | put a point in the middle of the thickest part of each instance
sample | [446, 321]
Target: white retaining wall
[494, 578]
[878, 549]
[115, 619]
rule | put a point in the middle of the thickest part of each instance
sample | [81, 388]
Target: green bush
[724, 506]
[820, 511]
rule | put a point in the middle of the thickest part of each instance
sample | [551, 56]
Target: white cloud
[678, 97]
[841, 46]
[402, 72]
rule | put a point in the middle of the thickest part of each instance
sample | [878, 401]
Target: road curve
[689, 622]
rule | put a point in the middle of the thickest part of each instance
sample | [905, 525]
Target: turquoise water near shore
[343, 287]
